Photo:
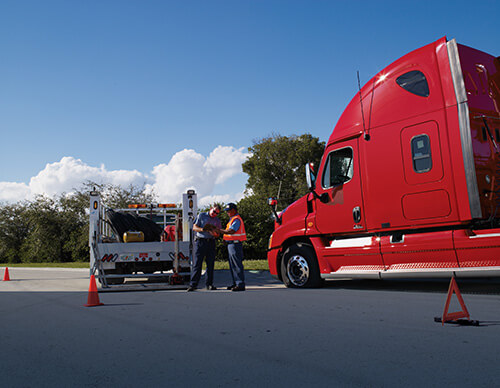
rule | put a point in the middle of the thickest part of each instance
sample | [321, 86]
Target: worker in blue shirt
[234, 235]
[207, 227]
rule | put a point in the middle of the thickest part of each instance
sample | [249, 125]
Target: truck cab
[408, 182]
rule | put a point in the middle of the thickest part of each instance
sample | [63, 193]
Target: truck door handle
[356, 214]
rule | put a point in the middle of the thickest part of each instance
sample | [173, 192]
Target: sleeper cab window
[414, 82]
[338, 168]
[421, 153]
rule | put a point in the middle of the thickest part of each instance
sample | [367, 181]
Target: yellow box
[133, 237]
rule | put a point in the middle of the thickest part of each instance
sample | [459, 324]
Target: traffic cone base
[447, 316]
[93, 298]
[6, 276]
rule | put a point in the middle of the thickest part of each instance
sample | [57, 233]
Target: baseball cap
[230, 206]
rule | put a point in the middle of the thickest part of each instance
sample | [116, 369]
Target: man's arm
[196, 228]
[233, 228]
[197, 221]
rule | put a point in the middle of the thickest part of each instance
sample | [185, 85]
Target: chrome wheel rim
[297, 270]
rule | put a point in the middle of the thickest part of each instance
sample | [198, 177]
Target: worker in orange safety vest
[234, 235]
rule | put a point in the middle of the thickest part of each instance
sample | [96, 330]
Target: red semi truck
[408, 185]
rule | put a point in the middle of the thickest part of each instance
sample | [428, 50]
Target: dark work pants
[235, 251]
[203, 248]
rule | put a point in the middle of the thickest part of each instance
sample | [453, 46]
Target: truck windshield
[338, 168]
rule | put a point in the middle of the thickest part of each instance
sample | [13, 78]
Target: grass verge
[250, 265]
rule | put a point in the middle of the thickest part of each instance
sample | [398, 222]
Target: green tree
[277, 166]
[14, 228]
[259, 224]
[117, 197]
[56, 229]
[74, 214]
[44, 240]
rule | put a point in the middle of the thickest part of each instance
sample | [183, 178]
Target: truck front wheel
[299, 267]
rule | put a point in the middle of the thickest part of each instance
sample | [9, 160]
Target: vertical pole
[94, 216]
[176, 244]
[189, 211]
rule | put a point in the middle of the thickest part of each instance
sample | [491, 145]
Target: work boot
[238, 288]
[211, 287]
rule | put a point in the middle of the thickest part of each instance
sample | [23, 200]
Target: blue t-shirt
[235, 225]
[202, 220]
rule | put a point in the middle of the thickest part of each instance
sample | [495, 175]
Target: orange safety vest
[240, 234]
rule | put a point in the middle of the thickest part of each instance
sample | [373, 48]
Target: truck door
[340, 209]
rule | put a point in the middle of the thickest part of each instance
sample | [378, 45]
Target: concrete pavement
[348, 334]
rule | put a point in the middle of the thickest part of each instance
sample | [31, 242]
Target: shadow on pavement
[466, 286]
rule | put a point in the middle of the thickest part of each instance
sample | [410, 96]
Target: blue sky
[126, 85]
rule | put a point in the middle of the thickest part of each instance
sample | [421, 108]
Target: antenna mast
[366, 135]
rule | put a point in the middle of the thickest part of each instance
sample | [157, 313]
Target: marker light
[137, 206]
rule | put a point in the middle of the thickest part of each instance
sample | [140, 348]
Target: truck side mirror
[310, 176]
[273, 202]
[311, 183]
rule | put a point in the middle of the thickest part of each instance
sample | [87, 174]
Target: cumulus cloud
[225, 162]
[13, 191]
[68, 173]
[190, 170]
[187, 169]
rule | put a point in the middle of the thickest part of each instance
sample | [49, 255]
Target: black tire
[299, 267]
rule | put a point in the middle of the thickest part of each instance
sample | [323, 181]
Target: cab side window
[421, 153]
[338, 168]
[414, 82]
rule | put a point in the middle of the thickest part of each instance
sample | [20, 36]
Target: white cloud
[225, 162]
[70, 173]
[190, 170]
[187, 169]
[13, 191]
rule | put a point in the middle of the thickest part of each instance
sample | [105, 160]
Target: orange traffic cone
[93, 298]
[6, 276]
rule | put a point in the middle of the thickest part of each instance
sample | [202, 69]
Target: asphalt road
[347, 334]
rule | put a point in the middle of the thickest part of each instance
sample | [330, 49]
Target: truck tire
[299, 267]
